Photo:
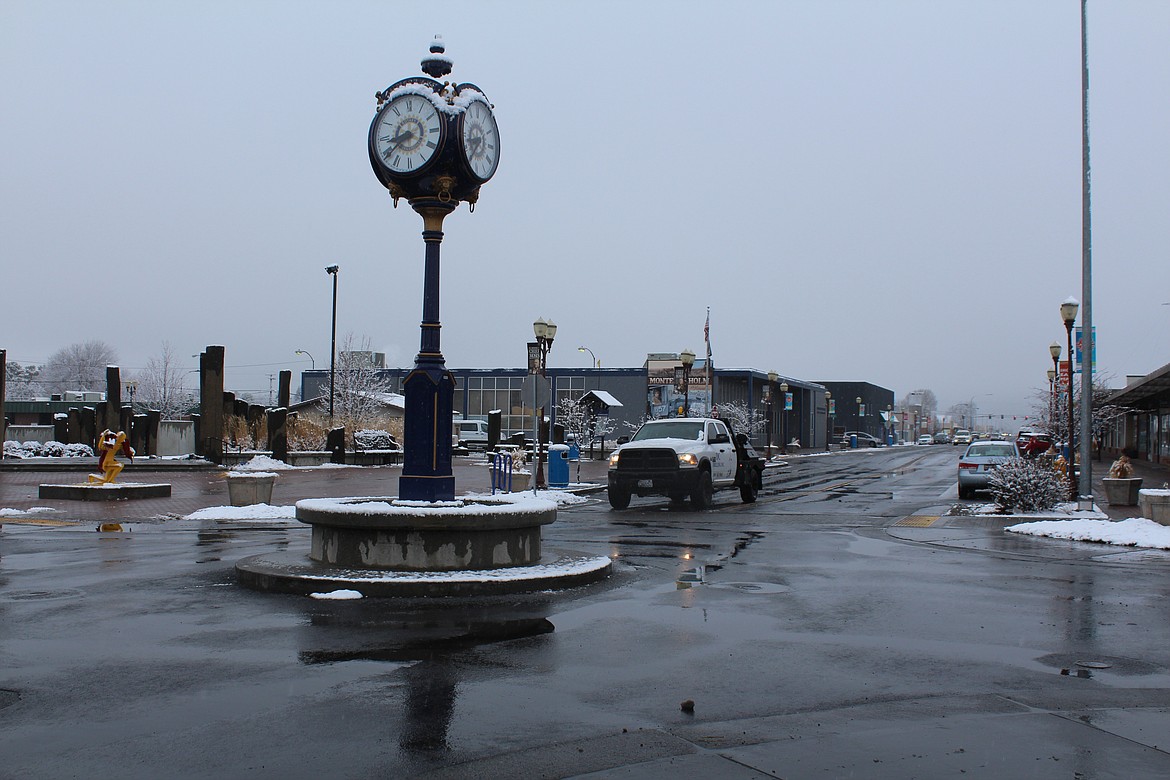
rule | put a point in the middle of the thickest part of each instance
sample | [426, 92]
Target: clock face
[481, 140]
[408, 133]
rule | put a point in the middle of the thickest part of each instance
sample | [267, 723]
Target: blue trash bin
[574, 452]
[558, 465]
[853, 441]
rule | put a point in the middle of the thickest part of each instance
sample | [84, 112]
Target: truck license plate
[646, 483]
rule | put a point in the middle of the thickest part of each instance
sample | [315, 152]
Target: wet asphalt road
[842, 626]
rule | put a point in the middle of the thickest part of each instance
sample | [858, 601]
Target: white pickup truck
[681, 457]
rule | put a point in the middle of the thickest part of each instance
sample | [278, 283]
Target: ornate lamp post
[859, 416]
[830, 418]
[768, 405]
[784, 431]
[687, 356]
[332, 271]
[888, 425]
[545, 331]
[1068, 313]
[434, 143]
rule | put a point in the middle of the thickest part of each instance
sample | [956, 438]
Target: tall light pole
[332, 271]
[687, 356]
[784, 431]
[545, 331]
[1068, 313]
[768, 404]
[859, 417]
[830, 413]
[1086, 279]
[595, 363]
[312, 362]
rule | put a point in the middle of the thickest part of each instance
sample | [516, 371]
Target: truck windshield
[672, 429]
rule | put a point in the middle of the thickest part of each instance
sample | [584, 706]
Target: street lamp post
[1054, 351]
[545, 331]
[859, 416]
[830, 415]
[687, 356]
[784, 430]
[594, 362]
[768, 401]
[311, 361]
[332, 271]
[1068, 313]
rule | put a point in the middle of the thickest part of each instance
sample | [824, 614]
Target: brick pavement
[193, 490]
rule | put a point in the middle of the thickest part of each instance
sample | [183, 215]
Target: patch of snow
[32, 510]
[259, 512]
[389, 506]
[263, 463]
[1136, 532]
[337, 595]
[1154, 492]
[249, 474]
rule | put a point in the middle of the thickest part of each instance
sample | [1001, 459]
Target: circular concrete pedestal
[382, 546]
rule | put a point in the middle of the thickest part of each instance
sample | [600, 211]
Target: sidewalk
[1153, 475]
[193, 490]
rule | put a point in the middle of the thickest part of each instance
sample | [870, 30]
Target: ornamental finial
[437, 64]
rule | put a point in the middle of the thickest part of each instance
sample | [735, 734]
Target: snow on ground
[254, 512]
[266, 463]
[1065, 511]
[337, 595]
[559, 497]
[32, 510]
[1136, 532]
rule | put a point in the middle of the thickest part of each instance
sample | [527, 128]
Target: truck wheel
[704, 494]
[749, 490]
[619, 499]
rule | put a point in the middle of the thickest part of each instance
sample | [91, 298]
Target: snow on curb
[1136, 532]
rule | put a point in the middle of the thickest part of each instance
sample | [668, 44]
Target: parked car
[1032, 443]
[962, 436]
[863, 439]
[942, 437]
[926, 438]
[979, 460]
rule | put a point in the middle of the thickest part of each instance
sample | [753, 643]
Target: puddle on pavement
[42, 595]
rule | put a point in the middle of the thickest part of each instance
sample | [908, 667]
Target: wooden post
[73, 426]
[335, 443]
[3, 391]
[61, 427]
[211, 403]
[109, 415]
[89, 431]
[138, 427]
[278, 433]
[284, 389]
[153, 418]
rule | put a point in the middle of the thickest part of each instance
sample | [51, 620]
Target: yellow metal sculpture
[109, 443]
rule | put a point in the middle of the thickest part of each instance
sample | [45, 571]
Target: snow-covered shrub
[374, 440]
[77, 451]
[1028, 485]
[52, 449]
[12, 450]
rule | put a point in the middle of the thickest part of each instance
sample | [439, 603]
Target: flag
[710, 375]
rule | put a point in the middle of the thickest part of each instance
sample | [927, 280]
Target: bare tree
[21, 381]
[160, 385]
[1050, 409]
[585, 426]
[742, 419]
[80, 366]
[360, 392]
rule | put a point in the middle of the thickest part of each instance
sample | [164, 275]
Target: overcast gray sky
[887, 191]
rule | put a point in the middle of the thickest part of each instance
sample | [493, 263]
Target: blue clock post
[433, 144]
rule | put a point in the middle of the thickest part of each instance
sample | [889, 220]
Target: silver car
[979, 460]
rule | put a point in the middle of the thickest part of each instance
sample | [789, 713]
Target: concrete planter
[245, 489]
[1122, 492]
[520, 481]
[1155, 505]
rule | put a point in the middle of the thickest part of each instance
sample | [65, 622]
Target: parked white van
[472, 434]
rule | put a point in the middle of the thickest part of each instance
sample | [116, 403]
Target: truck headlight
[613, 460]
[688, 459]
